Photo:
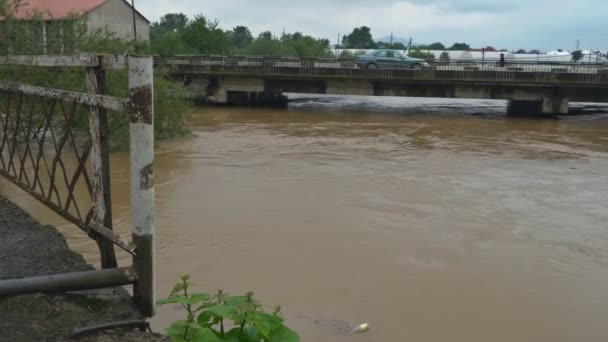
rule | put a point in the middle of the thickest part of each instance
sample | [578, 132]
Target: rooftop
[58, 9]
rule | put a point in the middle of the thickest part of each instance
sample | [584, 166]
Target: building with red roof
[114, 15]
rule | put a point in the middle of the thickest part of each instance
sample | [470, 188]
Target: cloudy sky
[514, 24]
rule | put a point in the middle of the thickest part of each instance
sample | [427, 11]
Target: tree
[240, 37]
[393, 46]
[422, 55]
[289, 45]
[307, 46]
[520, 51]
[360, 38]
[165, 36]
[460, 47]
[577, 55]
[433, 46]
[268, 47]
[345, 54]
[173, 21]
[534, 52]
[170, 43]
[204, 36]
[265, 35]
[444, 57]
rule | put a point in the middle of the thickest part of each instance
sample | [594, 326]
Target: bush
[170, 100]
[220, 317]
[429, 57]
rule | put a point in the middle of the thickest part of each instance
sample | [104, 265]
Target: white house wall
[117, 17]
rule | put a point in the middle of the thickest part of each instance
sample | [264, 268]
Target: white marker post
[141, 132]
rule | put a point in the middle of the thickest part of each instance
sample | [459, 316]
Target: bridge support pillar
[547, 106]
[556, 105]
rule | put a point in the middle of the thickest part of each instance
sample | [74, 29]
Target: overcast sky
[514, 24]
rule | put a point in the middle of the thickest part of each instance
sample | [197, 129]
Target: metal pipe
[140, 324]
[67, 282]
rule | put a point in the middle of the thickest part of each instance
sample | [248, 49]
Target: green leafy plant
[224, 318]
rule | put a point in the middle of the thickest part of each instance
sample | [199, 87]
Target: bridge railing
[348, 68]
[54, 145]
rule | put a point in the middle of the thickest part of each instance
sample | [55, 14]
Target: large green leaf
[249, 334]
[208, 319]
[205, 335]
[191, 300]
[234, 300]
[273, 321]
[264, 323]
[284, 334]
[170, 300]
[177, 329]
[225, 311]
[196, 298]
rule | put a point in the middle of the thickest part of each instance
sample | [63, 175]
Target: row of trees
[361, 38]
[175, 33]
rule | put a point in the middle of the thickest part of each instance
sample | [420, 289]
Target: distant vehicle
[389, 59]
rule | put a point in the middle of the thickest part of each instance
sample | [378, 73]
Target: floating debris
[360, 329]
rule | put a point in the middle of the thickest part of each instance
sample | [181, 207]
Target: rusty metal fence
[348, 68]
[54, 145]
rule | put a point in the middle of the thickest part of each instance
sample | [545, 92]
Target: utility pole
[578, 44]
[134, 22]
[338, 45]
[391, 38]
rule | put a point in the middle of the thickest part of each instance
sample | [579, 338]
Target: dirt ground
[28, 248]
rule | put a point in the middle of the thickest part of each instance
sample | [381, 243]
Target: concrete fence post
[141, 131]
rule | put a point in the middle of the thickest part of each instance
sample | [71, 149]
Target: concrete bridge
[530, 88]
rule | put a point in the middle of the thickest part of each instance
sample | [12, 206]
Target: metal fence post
[141, 131]
[100, 166]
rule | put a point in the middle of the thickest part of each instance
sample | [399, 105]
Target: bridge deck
[528, 73]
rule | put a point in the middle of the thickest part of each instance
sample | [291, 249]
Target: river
[431, 220]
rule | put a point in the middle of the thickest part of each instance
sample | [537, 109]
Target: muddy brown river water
[429, 220]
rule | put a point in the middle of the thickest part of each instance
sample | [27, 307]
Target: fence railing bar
[120, 241]
[92, 100]
[84, 60]
[100, 166]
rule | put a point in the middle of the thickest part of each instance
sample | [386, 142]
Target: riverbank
[28, 249]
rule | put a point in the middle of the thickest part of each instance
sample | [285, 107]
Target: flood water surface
[430, 224]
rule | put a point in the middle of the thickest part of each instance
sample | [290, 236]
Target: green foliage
[175, 34]
[436, 46]
[393, 46]
[444, 57]
[345, 54]
[577, 55]
[224, 318]
[360, 38]
[240, 37]
[520, 51]
[267, 47]
[205, 36]
[460, 47]
[171, 106]
[422, 55]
